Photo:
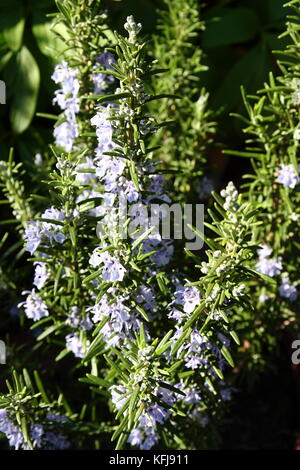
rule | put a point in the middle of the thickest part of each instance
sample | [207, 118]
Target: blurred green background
[238, 41]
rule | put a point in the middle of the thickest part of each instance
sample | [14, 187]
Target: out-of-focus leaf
[250, 71]
[277, 10]
[5, 58]
[25, 92]
[12, 22]
[275, 43]
[238, 25]
[49, 43]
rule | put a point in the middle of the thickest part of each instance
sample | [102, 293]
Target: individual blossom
[37, 232]
[75, 345]
[288, 290]
[144, 438]
[192, 396]
[103, 80]
[266, 265]
[50, 229]
[67, 77]
[127, 188]
[288, 176]
[196, 349]
[104, 130]
[75, 320]
[239, 290]
[191, 393]
[108, 170]
[34, 306]
[136, 437]
[146, 298]
[132, 28]
[32, 236]
[36, 434]
[186, 299]
[162, 253]
[145, 435]
[112, 269]
[41, 274]
[226, 394]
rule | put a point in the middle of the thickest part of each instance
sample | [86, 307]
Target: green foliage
[185, 143]
[240, 55]
[272, 130]
[133, 340]
[25, 67]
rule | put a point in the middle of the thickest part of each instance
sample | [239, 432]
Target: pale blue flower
[288, 290]
[112, 269]
[12, 432]
[57, 441]
[268, 266]
[41, 274]
[65, 134]
[288, 176]
[34, 306]
[75, 345]
[135, 437]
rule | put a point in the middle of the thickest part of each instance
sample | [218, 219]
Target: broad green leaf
[5, 58]
[237, 25]
[12, 22]
[276, 10]
[51, 42]
[26, 91]
[250, 71]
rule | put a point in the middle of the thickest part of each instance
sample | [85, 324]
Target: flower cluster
[45, 232]
[145, 435]
[12, 432]
[102, 81]
[230, 195]
[67, 99]
[121, 320]
[39, 436]
[112, 269]
[186, 299]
